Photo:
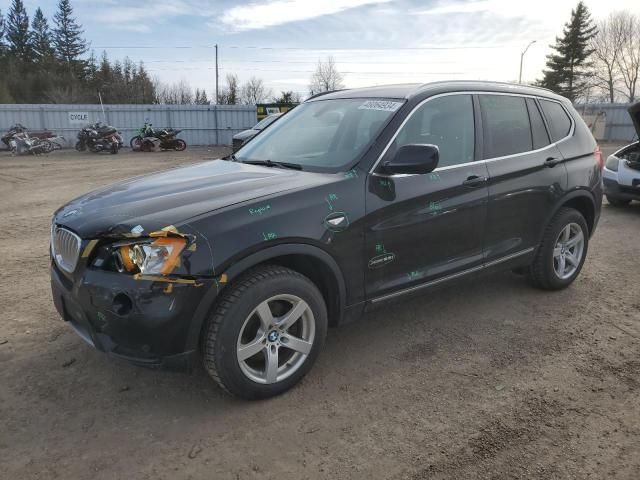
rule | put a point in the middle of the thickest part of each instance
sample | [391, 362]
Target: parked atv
[149, 139]
[99, 138]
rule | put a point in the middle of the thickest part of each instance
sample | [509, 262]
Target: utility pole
[217, 96]
[521, 59]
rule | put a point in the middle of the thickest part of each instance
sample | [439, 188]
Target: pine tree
[67, 36]
[18, 33]
[1, 32]
[40, 36]
[203, 98]
[567, 68]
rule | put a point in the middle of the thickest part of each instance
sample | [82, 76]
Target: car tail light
[599, 157]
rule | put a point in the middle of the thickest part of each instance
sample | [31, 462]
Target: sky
[373, 42]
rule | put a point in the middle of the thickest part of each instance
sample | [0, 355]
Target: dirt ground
[486, 380]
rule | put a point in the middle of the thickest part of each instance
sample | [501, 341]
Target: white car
[622, 169]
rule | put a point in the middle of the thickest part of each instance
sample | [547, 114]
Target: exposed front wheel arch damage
[307, 260]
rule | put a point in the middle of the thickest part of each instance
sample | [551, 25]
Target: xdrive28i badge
[382, 260]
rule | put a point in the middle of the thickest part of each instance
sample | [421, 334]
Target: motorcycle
[19, 128]
[21, 143]
[99, 138]
[149, 139]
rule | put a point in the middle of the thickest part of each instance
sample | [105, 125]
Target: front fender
[256, 258]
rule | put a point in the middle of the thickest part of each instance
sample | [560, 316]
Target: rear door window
[505, 124]
[538, 130]
[557, 118]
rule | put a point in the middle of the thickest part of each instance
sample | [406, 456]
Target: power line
[328, 49]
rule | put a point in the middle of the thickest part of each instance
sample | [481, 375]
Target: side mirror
[413, 158]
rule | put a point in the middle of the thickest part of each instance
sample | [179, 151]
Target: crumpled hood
[173, 196]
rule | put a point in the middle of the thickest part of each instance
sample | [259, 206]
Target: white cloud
[277, 12]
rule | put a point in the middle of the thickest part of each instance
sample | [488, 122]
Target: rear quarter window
[557, 118]
[540, 136]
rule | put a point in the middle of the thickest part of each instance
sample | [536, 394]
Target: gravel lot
[485, 380]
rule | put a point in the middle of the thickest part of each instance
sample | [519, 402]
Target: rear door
[420, 228]
[527, 175]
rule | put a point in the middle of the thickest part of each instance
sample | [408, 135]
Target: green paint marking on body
[380, 248]
[434, 177]
[415, 274]
[351, 174]
[269, 236]
[332, 197]
[260, 210]
[435, 206]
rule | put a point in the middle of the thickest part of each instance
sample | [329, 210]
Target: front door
[422, 228]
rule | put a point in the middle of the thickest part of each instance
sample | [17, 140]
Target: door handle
[551, 162]
[474, 181]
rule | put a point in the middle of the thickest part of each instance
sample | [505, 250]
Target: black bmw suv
[354, 198]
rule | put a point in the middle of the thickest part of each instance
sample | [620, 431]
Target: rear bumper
[159, 328]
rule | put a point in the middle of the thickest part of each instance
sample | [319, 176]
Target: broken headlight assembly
[149, 257]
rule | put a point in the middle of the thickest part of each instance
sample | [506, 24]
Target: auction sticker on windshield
[384, 105]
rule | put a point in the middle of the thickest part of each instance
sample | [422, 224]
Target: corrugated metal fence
[200, 124]
[608, 121]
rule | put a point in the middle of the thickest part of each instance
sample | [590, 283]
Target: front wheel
[136, 142]
[114, 148]
[181, 145]
[562, 251]
[618, 202]
[265, 333]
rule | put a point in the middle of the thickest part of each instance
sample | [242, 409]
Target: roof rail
[493, 82]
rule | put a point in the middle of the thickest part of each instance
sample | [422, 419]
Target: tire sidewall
[226, 339]
[570, 216]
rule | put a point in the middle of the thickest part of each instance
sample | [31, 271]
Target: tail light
[599, 157]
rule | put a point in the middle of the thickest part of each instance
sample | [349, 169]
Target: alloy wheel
[568, 251]
[276, 339]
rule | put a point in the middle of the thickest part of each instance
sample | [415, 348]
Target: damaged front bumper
[150, 323]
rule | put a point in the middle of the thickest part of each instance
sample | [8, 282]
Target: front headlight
[612, 163]
[152, 257]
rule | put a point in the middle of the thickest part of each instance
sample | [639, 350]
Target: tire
[81, 147]
[181, 145]
[618, 202]
[136, 142]
[544, 271]
[235, 323]
[114, 149]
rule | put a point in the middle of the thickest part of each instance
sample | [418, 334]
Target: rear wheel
[562, 251]
[265, 333]
[180, 145]
[618, 202]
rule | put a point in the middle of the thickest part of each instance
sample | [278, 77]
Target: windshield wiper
[269, 163]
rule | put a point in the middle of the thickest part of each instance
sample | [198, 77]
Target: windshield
[265, 122]
[325, 135]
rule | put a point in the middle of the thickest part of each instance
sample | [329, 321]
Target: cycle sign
[78, 118]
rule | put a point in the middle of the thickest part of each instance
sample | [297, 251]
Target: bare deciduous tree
[230, 94]
[254, 91]
[629, 58]
[326, 77]
[173, 94]
[607, 48]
